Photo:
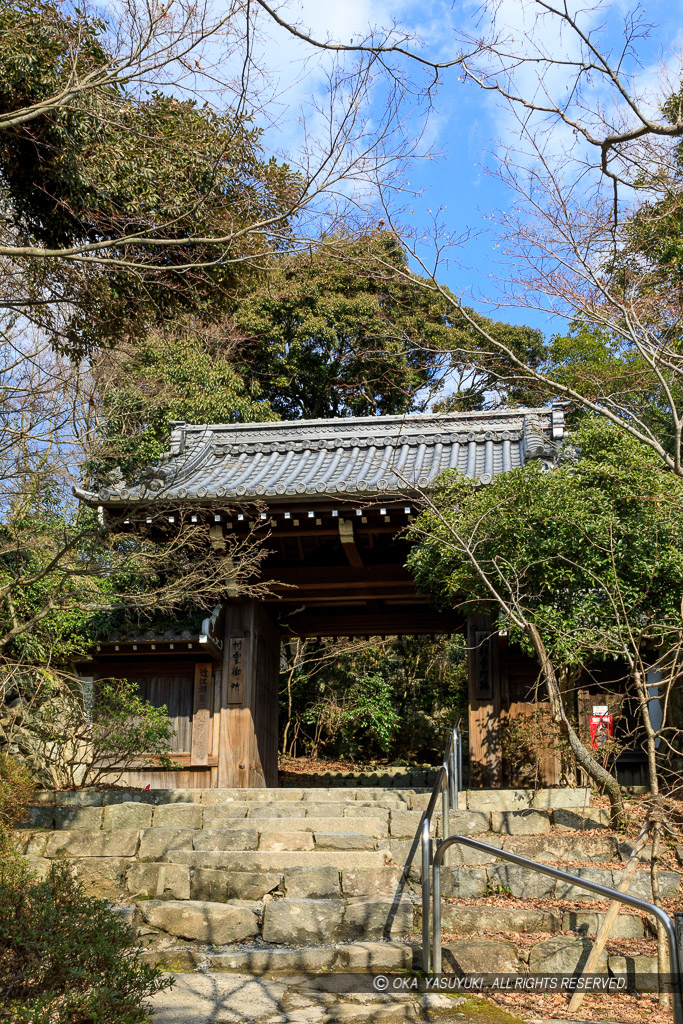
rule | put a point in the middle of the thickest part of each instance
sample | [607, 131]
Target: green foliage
[16, 788]
[80, 738]
[178, 374]
[341, 331]
[65, 958]
[115, 162]
[592, 552]
[363, 717]
[387, 700]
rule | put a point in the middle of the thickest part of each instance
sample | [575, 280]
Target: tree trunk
[643, 701]
[662, 942]
[611, 915]
[584, 757]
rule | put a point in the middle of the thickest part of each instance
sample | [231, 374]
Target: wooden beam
[357, 623]
[338, 577]
[348, 542]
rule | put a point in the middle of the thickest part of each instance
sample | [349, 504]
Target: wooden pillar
[248, 737]
[484, 698]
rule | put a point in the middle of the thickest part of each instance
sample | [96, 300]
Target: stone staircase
[287, 880]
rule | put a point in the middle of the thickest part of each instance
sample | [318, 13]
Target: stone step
[205, 998]
[265, 958]
[287, 921]
[265, 860]
[414, 799]
[371, 819]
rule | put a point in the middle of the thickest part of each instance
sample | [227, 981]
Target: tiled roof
[354, 456]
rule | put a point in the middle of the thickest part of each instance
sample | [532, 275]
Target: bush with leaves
[64, 957]
[71, 736]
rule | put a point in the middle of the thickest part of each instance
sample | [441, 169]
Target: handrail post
[445, 808]
[426, 866]
[460, 775]
[453, 778]
[436, 914]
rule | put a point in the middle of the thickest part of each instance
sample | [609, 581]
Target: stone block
[123, 912]
[104, 877]
[156, 843]
[40, 866]
[270, 860]
[319, 796]
[368, 826]
[82, 843]
[127, 815]
[78, 798]
[567, 891]
[563, 847]
[371, 881]
[575, 819]
[479, 956]
[31, 844]
[375, 956]
[287, 841]
[563, 955]
[78, 817]
[491, 920]
[626, 847]
[343, 841]
[220, 886]
[217, 923]
[164, 881]
[180, 815]
[177, 796]
[39, 816]
[374, 811]
[401, 850]
[312, 960]
[404, 824]
[376, 918]
[213, 816]
[130, 796]
[641, 886]
[520, 882]
[274, 811]
[468, 855]
[579, 797]
[465, 882]
[312, 883]
[303, 922]
[469, 823]
[499, 799]
[520, 823]
[641, 972]
[225, 839]
[44, 797]
[587, 922]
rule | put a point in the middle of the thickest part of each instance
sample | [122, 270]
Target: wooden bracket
[348, 540]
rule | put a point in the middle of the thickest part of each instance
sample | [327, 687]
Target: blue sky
[468, 126]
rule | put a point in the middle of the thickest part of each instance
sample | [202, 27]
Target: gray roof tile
[340, 457]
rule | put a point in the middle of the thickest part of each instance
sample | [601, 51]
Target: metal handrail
[564, 876]
[450, 774]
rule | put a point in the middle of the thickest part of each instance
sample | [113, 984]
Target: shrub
[16, 787]
[74, 735]
[65, 958]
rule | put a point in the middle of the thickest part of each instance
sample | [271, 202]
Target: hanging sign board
[235, 669]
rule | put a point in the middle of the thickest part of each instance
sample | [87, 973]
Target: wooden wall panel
[190, 779]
